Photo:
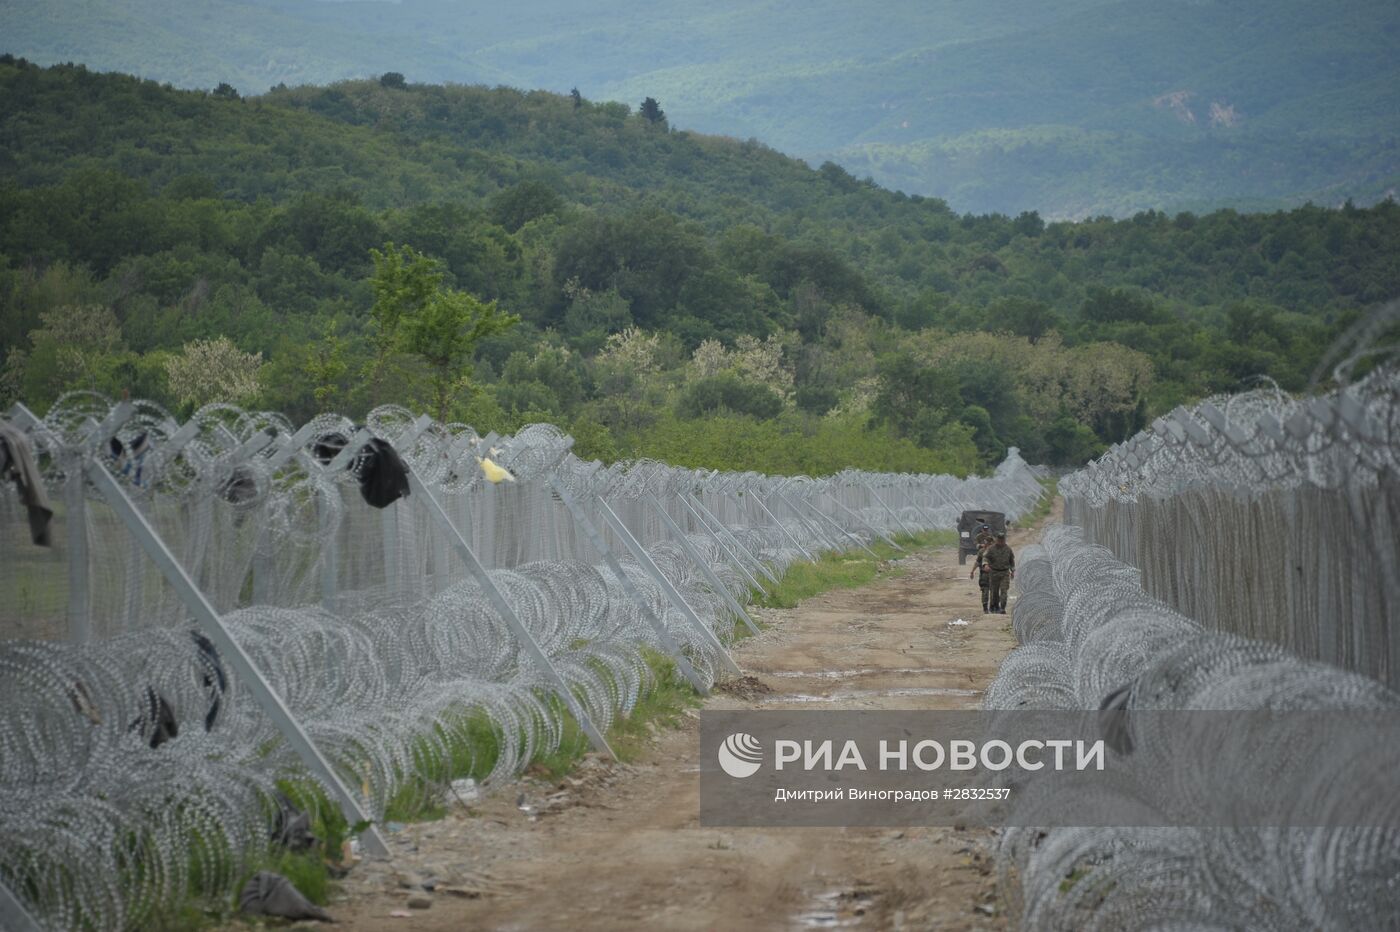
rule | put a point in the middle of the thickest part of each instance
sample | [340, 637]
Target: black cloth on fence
[17, 462]
[381, 471]
[1113, 719]
[383, 475]
[269, 894]
[327, 446]
[213, 676]
[240, 487]
[156, 723]
[291, 827]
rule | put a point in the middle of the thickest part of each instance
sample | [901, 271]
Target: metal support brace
[814, 529]
[253, 446]
[248, 673]
[873, 529]
[498, 601]
[718, 538]
[262, 569]
[705, 568]
[839, 529]
[785, 532]
[668, 643]
[13, 916]
[176, 442]
[288, 447]
[393, 555]
[121, 413]
[893, 514]
[644, 559]
[740, 549]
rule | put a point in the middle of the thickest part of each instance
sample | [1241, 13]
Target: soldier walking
[984, 580]
[1001, 564]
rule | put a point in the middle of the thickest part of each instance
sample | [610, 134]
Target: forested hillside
[1074, 108]
[682, 296]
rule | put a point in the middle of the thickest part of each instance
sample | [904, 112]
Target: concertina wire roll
[361, 618]
[1237, 555]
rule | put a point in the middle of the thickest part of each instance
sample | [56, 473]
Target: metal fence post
[893, 514]
[815, 530]
[855, 517]
[827, 518]
[76, 534]
[740, 548]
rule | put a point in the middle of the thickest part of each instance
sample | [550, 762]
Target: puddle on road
[843, 674]
[873, 694]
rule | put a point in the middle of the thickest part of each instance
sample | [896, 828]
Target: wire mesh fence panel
[407, 637]
[1238, 555]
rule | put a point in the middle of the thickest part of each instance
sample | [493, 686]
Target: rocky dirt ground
[617, 846]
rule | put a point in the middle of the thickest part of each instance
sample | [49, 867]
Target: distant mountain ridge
[1076, 108]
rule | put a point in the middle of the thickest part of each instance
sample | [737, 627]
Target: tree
[207, 371]
[72, 348]
[916, 401]
[444, 333]
[404, 281]
[327, 367]
[576, 97]
[226, 91]
[1024, 317]
[652, 112]
[728, 392]
[514, 207]
[392, 79]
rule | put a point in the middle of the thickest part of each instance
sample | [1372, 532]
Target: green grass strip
[848, 570]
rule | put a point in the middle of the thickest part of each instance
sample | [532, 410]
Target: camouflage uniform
[1002, 561]
[984, 580]
[984, 540]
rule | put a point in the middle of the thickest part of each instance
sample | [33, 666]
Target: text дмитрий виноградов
[1047, 768]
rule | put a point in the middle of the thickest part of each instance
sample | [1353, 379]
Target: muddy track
[620, 847]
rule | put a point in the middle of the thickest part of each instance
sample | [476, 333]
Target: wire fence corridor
[234, 602]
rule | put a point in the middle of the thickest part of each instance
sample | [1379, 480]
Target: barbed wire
[133, 762]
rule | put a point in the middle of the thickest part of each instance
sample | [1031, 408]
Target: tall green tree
[652, 112]
[404, 282]
[445, 334]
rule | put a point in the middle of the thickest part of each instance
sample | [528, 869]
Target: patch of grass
[661, 706]
[849, 569]
[1042, 507]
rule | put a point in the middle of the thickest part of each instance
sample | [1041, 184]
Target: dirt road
[620, 847]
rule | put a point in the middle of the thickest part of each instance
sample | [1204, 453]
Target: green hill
[677, 291]
[1072, 109]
